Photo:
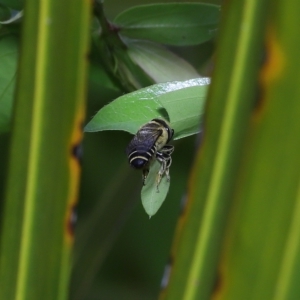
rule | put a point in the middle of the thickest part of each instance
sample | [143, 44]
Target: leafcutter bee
[151, 141]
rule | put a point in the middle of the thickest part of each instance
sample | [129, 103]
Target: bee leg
[168, 164]
[145, 175]
[164, 157]
[161, 172]
[167, 150]
[165, 154]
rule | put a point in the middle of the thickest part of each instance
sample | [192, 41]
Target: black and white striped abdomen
[139, 157]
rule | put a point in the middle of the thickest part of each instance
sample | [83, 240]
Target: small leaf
[151, 198]
[8, 67]
[176, 24]
[159, 63]
[183, 100]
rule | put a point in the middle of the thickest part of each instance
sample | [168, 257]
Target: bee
[151, 141]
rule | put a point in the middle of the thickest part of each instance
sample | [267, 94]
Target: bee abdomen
[139, 158]
[139, 162]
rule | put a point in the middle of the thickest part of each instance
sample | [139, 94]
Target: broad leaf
[185, 108]
[171, 24]
[126, 113]
[131, 111]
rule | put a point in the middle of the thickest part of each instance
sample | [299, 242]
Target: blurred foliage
[42, 178]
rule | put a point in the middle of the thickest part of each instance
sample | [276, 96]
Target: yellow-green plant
[43, 175]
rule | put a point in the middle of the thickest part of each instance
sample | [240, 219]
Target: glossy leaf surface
[185, 108]
[165, 100]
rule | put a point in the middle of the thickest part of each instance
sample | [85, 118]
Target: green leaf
[182, 99]
[185, 108]
[152, 199]
[176, 24]
[8, 67]
[159, 63]
[39, 199]
[232, 117]
[126, 113]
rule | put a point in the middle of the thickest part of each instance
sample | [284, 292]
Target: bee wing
[144, 140]
[148, 139]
